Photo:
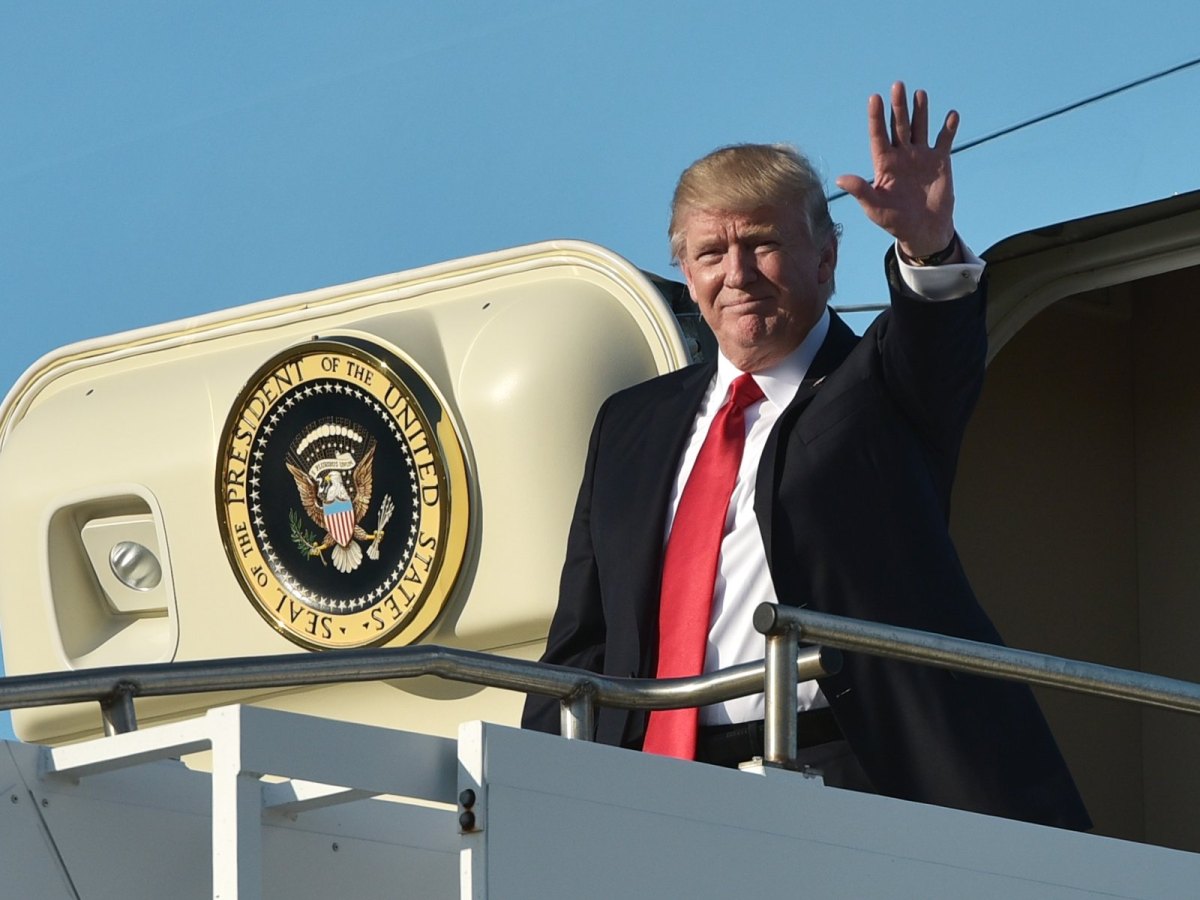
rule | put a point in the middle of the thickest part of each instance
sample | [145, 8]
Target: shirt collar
[781, 381]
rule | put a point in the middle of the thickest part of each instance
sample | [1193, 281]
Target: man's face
[759, 279]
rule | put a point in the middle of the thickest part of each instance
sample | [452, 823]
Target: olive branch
[306, 541]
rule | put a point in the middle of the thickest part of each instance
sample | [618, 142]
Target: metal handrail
[579, 691]
[784, 626]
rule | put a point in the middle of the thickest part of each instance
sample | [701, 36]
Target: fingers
[946, 136]
[877, 131]
[901, 129]
[920, 118]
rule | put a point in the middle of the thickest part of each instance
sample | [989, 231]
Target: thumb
[856, 186]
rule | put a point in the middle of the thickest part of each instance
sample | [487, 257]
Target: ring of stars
[286, 578]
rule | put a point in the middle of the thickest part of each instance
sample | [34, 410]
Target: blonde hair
[743, 177]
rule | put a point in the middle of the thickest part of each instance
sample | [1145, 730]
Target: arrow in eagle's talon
[386, 507]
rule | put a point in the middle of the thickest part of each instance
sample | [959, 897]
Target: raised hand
[912, 197]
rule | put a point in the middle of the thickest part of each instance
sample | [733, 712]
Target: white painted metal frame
[552, 818]
[591, 822]
[248, 743]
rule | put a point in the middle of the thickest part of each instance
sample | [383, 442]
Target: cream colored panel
[520, 348]
[531, 414]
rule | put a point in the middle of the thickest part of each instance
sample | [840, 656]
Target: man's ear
[828, 261]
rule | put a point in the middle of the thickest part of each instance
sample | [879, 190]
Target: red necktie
[690, 566]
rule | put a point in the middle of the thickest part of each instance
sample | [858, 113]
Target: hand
[912, 197]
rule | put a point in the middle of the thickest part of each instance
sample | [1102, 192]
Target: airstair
[291, 805]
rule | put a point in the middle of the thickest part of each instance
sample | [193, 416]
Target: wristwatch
[934, 259]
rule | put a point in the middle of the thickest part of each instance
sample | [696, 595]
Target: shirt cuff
[946, 282]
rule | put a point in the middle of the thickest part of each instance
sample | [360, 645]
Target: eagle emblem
[331, 463]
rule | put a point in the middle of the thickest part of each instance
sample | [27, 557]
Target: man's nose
[741, 267]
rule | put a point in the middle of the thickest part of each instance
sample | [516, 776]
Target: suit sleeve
[577, 631]
[933, 356]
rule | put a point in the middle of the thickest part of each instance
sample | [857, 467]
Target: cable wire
[1103, 95]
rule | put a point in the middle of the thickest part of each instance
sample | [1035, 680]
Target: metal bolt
[335, 847]
[466, 820]
[467, 798]
[45, 802]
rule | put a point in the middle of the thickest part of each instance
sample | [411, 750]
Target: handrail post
[780, 737]
[577, 714]
[117, 712]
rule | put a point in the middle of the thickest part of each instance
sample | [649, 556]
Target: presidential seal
[342, 496]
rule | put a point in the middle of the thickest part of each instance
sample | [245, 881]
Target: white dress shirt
[743, 580]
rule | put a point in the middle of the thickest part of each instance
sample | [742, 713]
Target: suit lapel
[837, 345]
[654, 441]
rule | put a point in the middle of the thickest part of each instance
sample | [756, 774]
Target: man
[825, 465]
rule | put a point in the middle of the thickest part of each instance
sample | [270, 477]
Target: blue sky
[163, 159]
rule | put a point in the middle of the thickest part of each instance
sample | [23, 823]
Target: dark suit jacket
[853, 500]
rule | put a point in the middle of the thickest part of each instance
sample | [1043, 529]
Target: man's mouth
[746, 304]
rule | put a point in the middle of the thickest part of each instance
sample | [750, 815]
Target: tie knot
[745, 390]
